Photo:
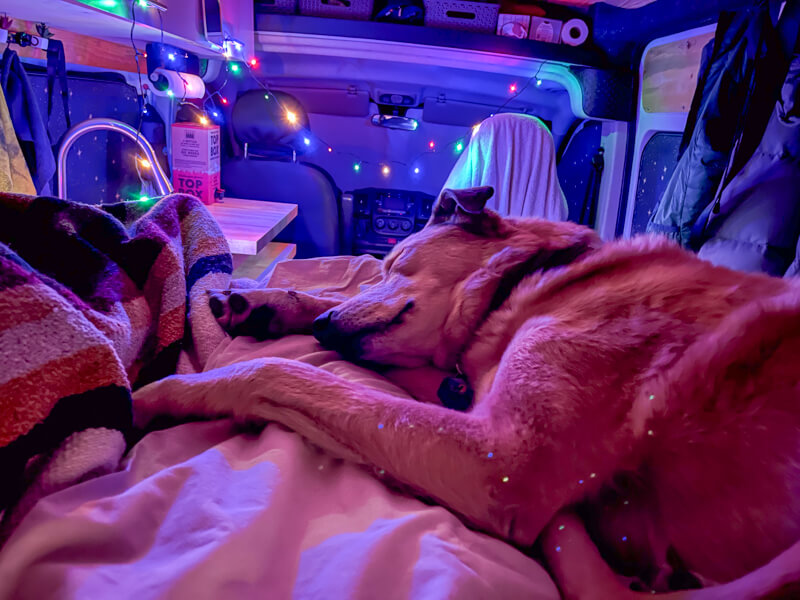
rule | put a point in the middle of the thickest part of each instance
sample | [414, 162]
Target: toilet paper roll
[575, 32]
[182, 85]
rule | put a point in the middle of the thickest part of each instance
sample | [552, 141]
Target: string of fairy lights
[212, 112]
[457, 144]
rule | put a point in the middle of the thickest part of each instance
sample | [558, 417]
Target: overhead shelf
[110, 20]
[272, 26]
[602, 91]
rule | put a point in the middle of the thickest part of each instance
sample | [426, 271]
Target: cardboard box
[200, 185]
[195, 147]
[516, 26]
[545, 30]
[196, 160]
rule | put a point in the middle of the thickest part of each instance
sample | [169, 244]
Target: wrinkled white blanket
[203, 511]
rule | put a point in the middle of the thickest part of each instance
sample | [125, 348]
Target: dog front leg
[441, 454]
[267, 313]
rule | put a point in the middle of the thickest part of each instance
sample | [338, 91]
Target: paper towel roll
[575, 32]
[182, 85]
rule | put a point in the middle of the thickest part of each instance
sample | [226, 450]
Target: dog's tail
[582, 574]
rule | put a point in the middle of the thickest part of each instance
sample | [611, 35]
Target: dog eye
[405, 268]
[404, 263]
[399, 264]
[389, 261]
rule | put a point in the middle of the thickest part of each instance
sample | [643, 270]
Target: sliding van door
[668, 78]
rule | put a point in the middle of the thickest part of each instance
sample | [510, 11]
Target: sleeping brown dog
[630, 383]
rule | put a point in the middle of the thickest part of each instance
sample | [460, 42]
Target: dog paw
[259, 313]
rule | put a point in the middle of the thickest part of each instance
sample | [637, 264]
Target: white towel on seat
[514, 154]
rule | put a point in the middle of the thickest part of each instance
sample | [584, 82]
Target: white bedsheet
[202, 511]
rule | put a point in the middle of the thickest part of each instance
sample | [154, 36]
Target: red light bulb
[513, 88]
[224, 100]
[253, 62]
[431, 144]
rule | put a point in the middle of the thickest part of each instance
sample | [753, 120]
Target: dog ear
[460, 206]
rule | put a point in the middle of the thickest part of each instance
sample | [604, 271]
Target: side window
[659, 159]
[101, 165]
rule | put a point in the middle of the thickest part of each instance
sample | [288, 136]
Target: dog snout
[323, 328]
[330, 335]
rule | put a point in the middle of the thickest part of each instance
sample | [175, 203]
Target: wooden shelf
[259, 266]
[110, 20]
[249, 225]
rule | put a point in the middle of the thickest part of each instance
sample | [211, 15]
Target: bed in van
[152, 151]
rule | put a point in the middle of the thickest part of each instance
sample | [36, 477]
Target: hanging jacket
[14, 174]
[794, 268]
[729, 112]
[29, 122]
[757, 222]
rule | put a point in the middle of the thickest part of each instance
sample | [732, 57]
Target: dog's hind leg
[582, 574]
[441, 454]
[576, 564]
[267, 313]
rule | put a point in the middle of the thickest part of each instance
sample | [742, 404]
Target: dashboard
[383, 217]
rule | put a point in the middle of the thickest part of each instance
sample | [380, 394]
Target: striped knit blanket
[94, 303]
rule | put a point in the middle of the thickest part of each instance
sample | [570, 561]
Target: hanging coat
[14, 174]
[29, 122]
[729, 112]
[794, 268]
[757, 224]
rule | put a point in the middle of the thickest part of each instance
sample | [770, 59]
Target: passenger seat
[269, 170]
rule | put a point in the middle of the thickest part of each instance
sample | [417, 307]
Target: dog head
[440, 283]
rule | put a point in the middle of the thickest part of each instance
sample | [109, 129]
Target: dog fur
[652, 393]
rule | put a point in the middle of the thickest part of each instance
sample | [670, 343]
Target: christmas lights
[458, 145]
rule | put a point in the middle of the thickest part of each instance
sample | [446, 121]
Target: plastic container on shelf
[462, 14]
[360, 10]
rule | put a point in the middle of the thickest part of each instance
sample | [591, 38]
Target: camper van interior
[360, 299]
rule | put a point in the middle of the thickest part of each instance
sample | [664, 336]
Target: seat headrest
[262, 121]
[188, 113]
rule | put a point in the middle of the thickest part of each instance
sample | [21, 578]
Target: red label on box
[199, 185]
